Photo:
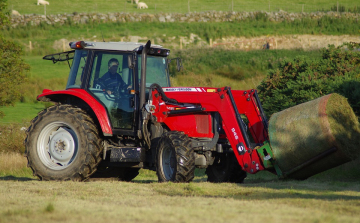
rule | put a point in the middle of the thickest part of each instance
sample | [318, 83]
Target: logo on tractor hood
[179, 89]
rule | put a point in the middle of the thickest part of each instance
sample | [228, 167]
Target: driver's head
[113, 65]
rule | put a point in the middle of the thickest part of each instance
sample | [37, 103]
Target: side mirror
[178, 63]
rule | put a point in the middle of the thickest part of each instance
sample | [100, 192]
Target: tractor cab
[111, 73]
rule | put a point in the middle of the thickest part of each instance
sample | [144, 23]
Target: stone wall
[211, 16]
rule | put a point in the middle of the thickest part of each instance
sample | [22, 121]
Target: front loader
[90, 133]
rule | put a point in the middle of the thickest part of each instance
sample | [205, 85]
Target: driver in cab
[111, 81]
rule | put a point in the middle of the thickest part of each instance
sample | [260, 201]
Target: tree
[13, 69]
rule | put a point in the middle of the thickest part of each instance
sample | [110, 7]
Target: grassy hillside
[202, 67]
[181, 6]
[46, 39]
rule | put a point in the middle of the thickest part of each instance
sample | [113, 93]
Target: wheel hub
[61, 145]
[172, 162]
[168, 163]
[57, 145]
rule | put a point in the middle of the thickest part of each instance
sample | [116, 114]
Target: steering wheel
[108, 96]
[119, 92]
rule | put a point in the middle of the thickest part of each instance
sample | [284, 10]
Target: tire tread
[182, 145]
[92, 157]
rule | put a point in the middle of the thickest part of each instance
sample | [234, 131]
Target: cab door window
[110, 82]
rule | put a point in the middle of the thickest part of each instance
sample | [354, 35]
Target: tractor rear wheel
[63, 143]
[225, 169]
[175, 160]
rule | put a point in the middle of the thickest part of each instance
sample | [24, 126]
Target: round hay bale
[314, 136]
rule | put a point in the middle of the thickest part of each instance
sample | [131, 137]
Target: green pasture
[202, 66]
[46, 69]
[46, 39]
[331, 196]
[21, 112]
[180, 6]
[261, 198]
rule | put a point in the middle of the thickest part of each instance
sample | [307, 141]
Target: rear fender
[98, 109]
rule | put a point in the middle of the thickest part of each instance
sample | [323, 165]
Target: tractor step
[127, 154]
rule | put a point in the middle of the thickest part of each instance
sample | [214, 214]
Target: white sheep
[136, 1]
[15, 13]
[42, 2]
[142, 5]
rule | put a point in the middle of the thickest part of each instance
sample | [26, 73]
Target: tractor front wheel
[175, 160]
[63, 143]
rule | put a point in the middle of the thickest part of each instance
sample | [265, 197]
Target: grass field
[181, 6]
[33, 201]
[21, 112]
[203, 67]
[47, 39]
[261, 198]
[45, 69]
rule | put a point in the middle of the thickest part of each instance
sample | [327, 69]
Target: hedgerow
[302, 79]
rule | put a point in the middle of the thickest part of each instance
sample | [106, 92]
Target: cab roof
[155, 50]
[120, 46]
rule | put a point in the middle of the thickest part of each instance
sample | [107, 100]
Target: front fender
[96, 106]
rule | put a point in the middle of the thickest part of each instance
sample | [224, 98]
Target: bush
[12, 72]
[4, 19]
[235, 64]
[302, 79]
[12, 137]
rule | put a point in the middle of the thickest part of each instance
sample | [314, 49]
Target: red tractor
[119, 113]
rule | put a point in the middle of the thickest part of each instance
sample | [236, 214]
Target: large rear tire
[225, 169]
[175, 160]
[63, 143]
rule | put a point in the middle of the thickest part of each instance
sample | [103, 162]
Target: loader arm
[230, 105]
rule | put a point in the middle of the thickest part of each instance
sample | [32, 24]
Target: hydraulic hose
[162, 93]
